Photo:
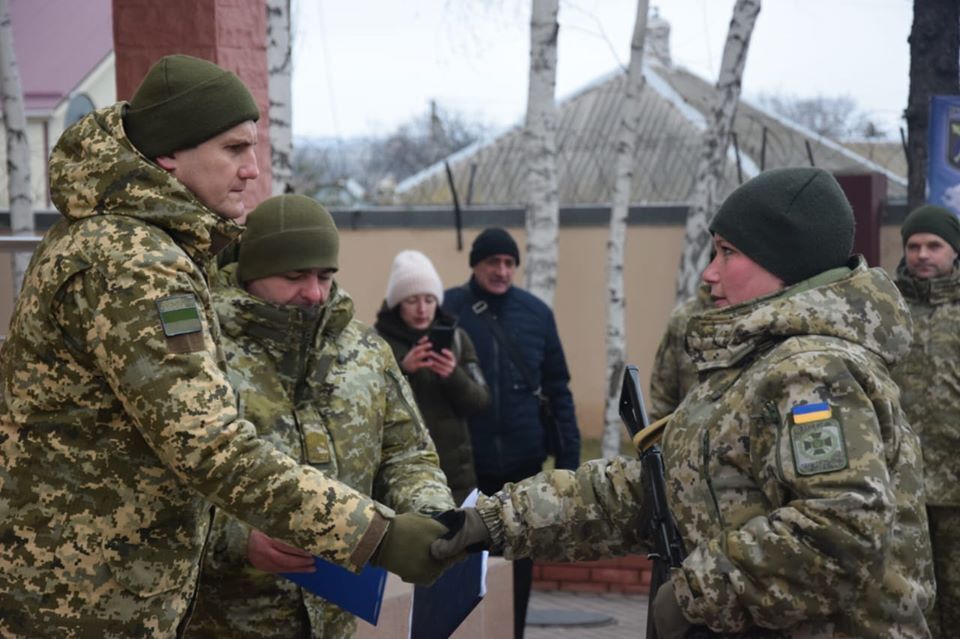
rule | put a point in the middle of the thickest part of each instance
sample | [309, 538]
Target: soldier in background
[792, 473]
[929, 379]
[321, 387]
[118, 425]
[673, 373]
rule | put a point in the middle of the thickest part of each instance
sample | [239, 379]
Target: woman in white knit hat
[439, 360]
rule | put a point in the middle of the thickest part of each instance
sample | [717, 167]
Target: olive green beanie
[793, 222]
[931, 218]
[184, 101]
[287, 233]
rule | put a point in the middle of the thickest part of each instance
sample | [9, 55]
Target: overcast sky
[361, 67]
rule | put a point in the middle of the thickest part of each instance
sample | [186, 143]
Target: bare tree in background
[539, 136]
[696, 241]
[836, 117]
[616, 243]
[934, 51]
[279, 69]
[18, 148]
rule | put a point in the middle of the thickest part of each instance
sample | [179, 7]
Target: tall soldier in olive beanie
[325, 389]
[792, 474]
[114, 455]
[929, 380]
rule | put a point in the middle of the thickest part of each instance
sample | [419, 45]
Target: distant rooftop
[58, 42]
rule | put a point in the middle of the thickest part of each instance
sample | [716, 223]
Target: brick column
[231, 33]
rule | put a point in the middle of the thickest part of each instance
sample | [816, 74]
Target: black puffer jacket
[444, 403]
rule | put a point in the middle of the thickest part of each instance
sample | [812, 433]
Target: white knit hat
[412, 273]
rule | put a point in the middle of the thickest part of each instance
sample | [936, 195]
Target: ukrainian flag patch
[817, 439]
[811, 413]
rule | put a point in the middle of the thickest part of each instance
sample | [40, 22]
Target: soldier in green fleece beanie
[184, 101]
[794, 222]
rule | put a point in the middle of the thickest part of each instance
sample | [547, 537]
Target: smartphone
[441, 336]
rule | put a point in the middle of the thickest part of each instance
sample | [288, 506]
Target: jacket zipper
[705, 473]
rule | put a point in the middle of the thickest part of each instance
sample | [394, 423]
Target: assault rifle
[668, 551]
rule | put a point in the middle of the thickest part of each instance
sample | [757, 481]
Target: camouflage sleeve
[409, 477]
[664, 376]
[565, 515]
[827, 535]
[466, 388]
[182, 404]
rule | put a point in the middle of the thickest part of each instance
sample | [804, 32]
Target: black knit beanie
[287, 233]
[793, 222]
[184, 101]
[931, 218]
[493, 241]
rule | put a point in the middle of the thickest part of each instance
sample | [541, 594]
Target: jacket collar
[936, 291]
[853, 303]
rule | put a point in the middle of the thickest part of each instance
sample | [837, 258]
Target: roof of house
[673, 104]
[57, 43]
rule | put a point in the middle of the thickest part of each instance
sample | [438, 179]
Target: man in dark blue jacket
[509, 438]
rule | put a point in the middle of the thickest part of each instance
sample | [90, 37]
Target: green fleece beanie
[793, 222]
[931, 218]
[287, 233]
[184, 101]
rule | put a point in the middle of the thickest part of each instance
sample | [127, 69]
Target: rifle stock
[668, 550]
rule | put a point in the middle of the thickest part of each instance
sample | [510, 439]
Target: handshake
[419, 548]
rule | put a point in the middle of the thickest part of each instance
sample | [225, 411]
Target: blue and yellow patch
[817, 439]
[811, 413]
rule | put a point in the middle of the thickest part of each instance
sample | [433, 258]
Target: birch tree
[616, 243]
[279, 68]
[539, 137]
[18, 148]
[713, 157]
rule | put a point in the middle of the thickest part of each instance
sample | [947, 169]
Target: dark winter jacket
[444, 403]
[508, 436]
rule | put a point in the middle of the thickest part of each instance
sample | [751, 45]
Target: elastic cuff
[489, 511]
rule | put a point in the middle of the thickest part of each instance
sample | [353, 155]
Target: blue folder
[359, 594]
[439, 609]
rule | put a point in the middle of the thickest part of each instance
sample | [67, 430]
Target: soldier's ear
[167, 162]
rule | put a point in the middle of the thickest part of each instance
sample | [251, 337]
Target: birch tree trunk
[539, 135]
[279, 68]
[703, 204]
[18, 148]
[616, 243]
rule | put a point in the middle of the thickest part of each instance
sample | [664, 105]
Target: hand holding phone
[441, 336]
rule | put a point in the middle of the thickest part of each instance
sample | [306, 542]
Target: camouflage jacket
[929, 379]
[673, 373]
[791, 471]
[118, 426]
[325, 389]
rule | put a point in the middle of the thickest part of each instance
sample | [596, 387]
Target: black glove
[467, 533]
[405, 549]
[667, 616]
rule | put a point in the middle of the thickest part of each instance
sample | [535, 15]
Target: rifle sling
[651, 434]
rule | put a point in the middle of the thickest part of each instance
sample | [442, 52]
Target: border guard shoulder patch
[816, 438]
